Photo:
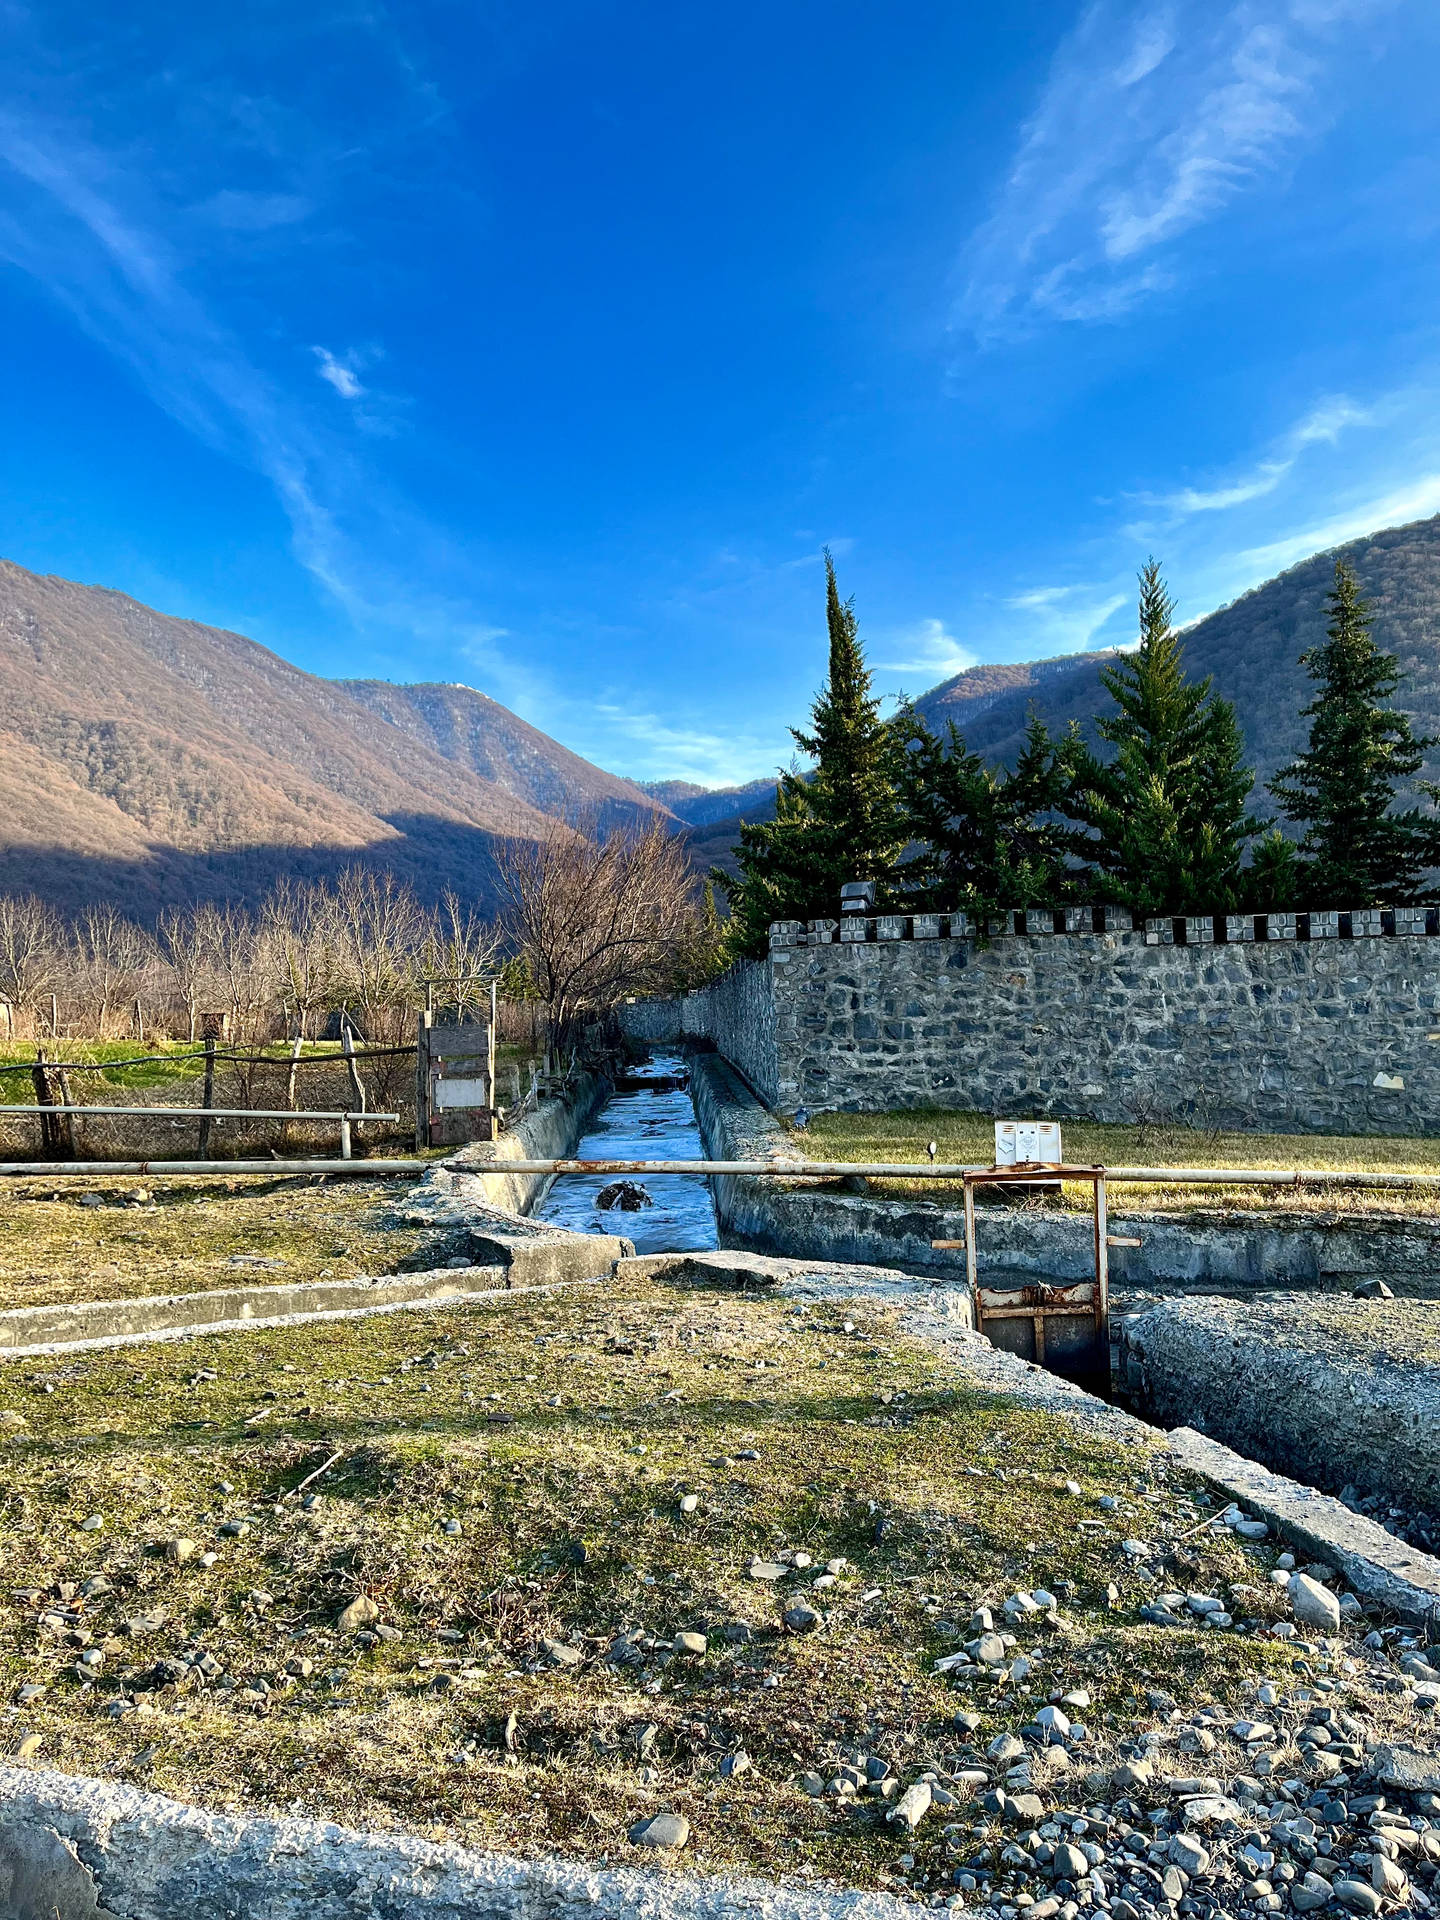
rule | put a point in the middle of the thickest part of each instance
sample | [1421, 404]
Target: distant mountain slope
[471, 729]
[147, 759]
[1252, 647]
[700, 806]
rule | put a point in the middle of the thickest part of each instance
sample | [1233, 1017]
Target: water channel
[648, 1124]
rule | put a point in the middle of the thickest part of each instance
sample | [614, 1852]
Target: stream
[641, 1125]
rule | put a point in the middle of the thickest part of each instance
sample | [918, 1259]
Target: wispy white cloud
[245, 212]
[927, 648]
[671, 751]
[85, 224]
[1155, 116]
[340, 374]
[1322, 425]
[1059, 619]
[1417, 499]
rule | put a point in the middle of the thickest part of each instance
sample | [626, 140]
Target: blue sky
[544, 347]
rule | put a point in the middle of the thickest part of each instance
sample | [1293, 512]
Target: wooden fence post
[57, 1142]
[347, 1044]
[207, 1099]
[423, 1023]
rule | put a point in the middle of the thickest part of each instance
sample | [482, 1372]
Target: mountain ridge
[146, 758]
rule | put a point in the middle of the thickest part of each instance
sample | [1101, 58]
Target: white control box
[1027, 1142]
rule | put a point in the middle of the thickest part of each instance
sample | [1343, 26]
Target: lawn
[188, 1236]
[530, 1502]
[969, 1137]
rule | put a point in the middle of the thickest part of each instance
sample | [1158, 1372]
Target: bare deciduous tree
[32, 942]
[461, 952]
[380, 930]
[595, 920]
[111, 955]
[298, 928]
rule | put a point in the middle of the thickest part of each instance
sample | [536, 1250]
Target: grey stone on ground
[1312, 1604]
[1408, 1769]
[661, 1830]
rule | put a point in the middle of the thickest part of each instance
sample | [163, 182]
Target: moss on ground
[188, 1236]
[970, 1137]
[511, 1494]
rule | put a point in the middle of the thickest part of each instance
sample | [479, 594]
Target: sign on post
[1028, 1143]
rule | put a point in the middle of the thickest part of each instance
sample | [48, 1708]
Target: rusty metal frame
[1039, 1301]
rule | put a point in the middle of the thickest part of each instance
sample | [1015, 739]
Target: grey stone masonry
[1290, 1023]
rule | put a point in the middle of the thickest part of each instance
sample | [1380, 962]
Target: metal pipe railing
[771, 1169]
[957, 1170]
[156, 1169]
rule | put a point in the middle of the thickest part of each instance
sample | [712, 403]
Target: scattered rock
[12, 1422]
[1388, 1879]
[1312, 1604]
[661, 1830]
[1409, 1769]
[1372, 1290]
[1355, 1895]
[1189, 1854]
[1069, 1863]
[802, 1619]
[766, 1570]
[913, 1805]
[561, 1654]
[694, 1644]
[177, 1552]
[361, 1611]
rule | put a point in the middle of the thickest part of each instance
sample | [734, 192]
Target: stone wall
[1283, 1034]
[737, 1014]
[651, 1023]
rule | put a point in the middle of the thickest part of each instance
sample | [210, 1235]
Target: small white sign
[1027, 1142]
[459, 1092]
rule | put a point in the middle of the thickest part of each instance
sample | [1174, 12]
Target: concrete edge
[1377, 1566]
[66, 1841]
[258, 1322]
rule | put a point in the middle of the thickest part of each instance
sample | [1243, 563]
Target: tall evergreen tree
[840, 822]
[1168, 813]
[1356, 851]
[986, 838]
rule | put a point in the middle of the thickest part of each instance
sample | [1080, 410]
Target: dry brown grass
[969, 1138]
[188, 1236]
[559, 1435]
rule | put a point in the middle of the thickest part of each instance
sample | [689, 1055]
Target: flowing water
[641, 1126]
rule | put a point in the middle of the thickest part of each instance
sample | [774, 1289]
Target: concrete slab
[157, 1859]
[1376, 1565]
